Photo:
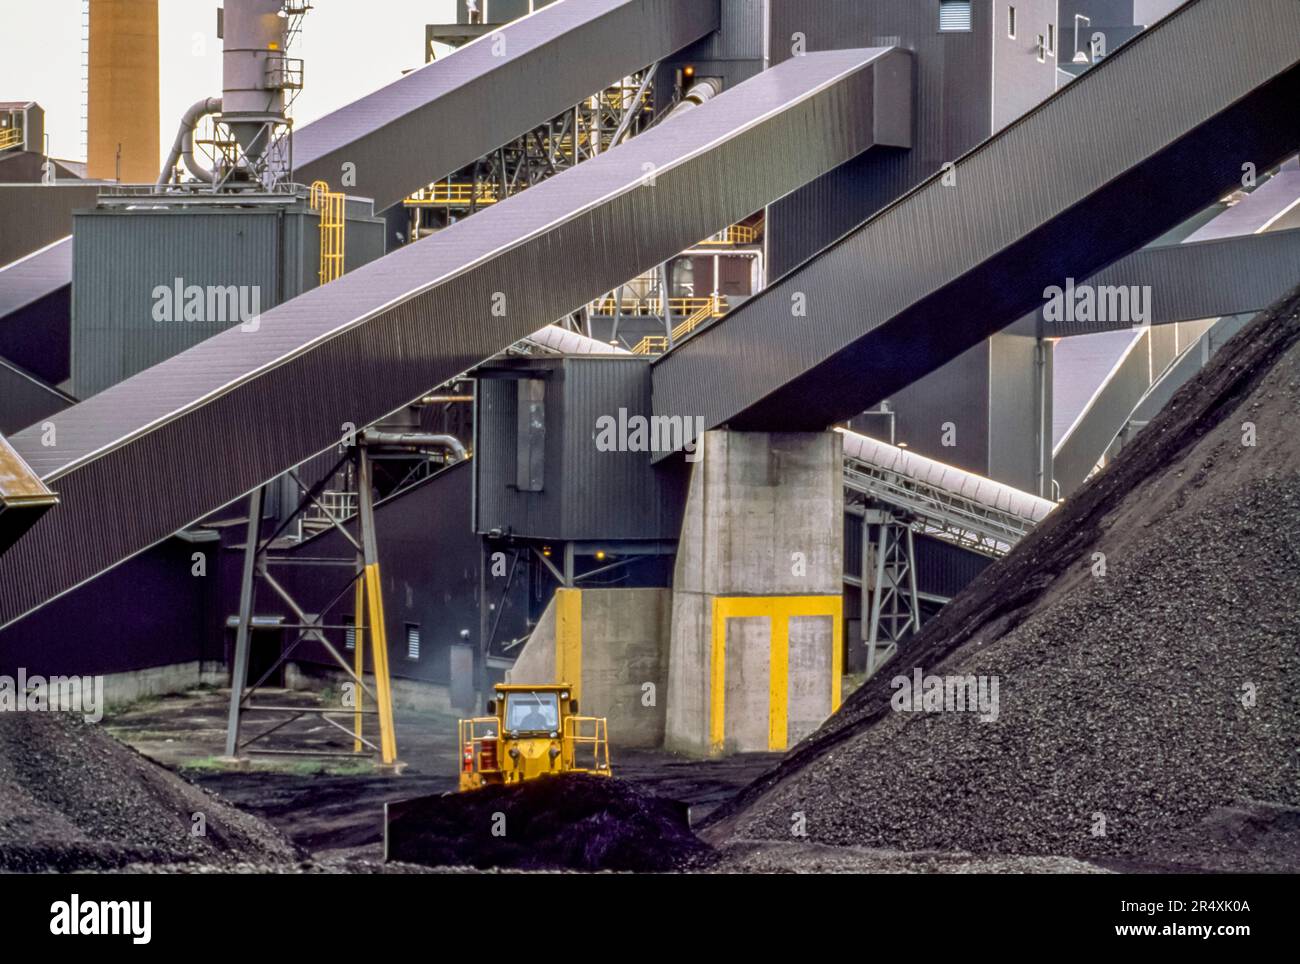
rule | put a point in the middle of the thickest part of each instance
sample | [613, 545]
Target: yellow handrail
[713, 307]
[454, 194]
[10, 137]
[597, 739]
[736, 234]
[333, 227]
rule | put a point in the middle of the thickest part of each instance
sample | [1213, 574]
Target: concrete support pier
[756, 641]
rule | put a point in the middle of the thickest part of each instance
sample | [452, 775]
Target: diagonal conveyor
[1212, 87]
[451, 112]
[162, 449]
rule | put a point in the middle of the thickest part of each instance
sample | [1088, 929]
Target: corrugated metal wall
[734, 52]
[34, 215]
[587, 494]
[118, 261]
[121, 258]
[952, 105]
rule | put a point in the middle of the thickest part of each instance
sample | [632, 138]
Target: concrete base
[756, 638]
[408, 694]
[611, 646]
[123, 688]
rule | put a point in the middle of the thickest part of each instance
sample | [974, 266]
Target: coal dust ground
[1147, 642]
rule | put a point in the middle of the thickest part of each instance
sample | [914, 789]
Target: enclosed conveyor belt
[24, 498]
[970, 510]
[1209, 88]
[35, 300]
[169, 445]
[451, 112]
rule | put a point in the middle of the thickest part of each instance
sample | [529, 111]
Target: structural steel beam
[451, 112]
[1187, 104]
[157, 452]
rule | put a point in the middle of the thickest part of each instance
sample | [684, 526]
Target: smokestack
[122, 114]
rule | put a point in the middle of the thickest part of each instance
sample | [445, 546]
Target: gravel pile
[74, 798]
[569, 822]
[1134, 705]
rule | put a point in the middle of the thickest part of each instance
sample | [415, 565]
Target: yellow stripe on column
[718, 676]
[379, 656]
[359, 665]
[568, 640]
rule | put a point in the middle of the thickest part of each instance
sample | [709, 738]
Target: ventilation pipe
[183, 146]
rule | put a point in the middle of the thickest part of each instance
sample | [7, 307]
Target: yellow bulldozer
[531, 731]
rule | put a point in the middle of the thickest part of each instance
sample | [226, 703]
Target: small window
[1011, 22]
[1042, 49]
[350, 633]
[412, 641]
[1051, 39]
[954, 15]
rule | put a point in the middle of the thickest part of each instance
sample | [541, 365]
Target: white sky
[350, 48]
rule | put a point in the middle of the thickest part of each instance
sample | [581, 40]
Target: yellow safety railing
[10, 137]
[736, 234]
[333, 228]
[454, 194]
[653, 306]
[588, 739]
[713, 307]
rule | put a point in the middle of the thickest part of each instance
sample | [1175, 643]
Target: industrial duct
[701, 92]
[183, 146]
[255, 72]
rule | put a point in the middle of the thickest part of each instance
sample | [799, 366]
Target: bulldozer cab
[531, 731]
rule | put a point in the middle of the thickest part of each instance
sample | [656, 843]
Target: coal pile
[1146, 640]
[567, 822]
[73, 798]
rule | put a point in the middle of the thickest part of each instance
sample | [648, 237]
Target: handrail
[597, 740]
[333, 227]
[712, 307]
[453, 194]
[10, 137]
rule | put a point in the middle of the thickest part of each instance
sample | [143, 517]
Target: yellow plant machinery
[531, 731]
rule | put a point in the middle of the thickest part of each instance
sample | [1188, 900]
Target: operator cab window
[532, 713]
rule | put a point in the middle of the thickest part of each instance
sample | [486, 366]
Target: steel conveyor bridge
[395, 141]
[166, 447]
[1212, 86]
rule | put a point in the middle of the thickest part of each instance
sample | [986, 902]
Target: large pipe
[373, 436]
[701, 92]
[183, 146]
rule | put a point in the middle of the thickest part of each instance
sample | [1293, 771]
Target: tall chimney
[122, 115]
